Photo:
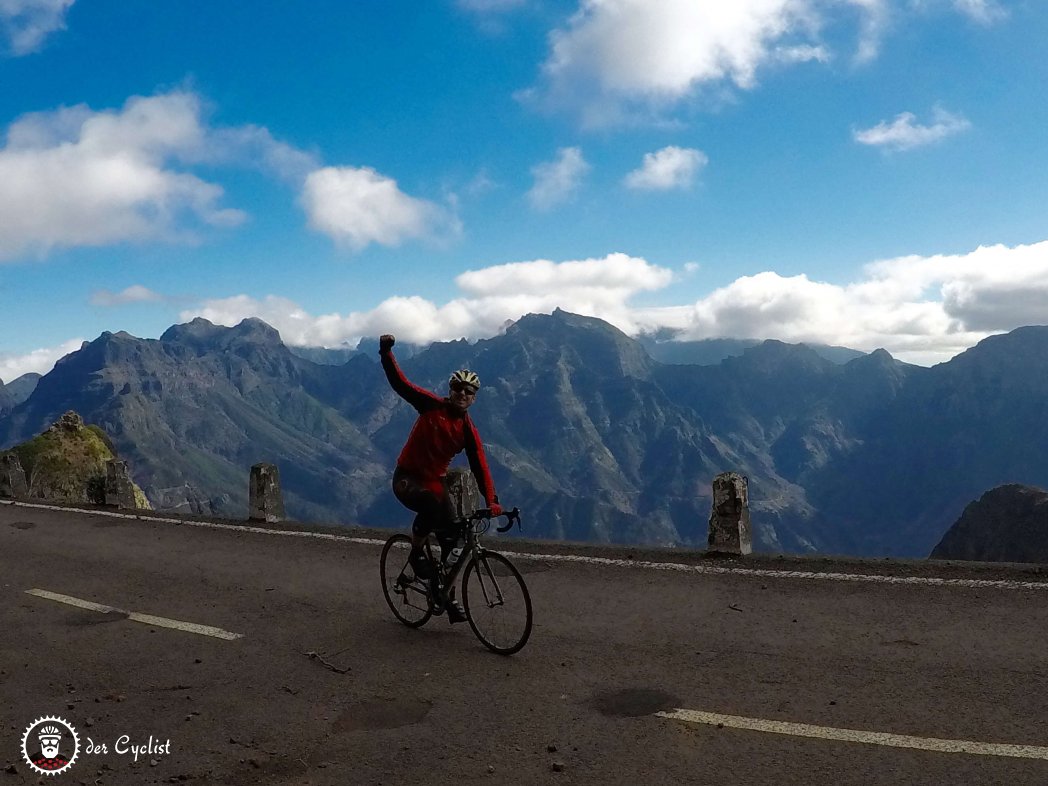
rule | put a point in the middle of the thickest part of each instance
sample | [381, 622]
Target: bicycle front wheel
[406, 595]
[497, 603]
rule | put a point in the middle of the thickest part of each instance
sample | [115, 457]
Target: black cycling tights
[433, 513]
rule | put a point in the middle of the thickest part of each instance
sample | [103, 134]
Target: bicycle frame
[465, 527]
[473, 549]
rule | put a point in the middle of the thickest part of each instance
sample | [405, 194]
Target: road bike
[494, 595]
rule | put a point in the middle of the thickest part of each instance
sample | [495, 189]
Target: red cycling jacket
[440, 433]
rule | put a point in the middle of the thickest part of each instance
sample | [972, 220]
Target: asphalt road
[613, 645]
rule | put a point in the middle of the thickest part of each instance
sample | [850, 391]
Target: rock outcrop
[68, 463]
[1007, 524]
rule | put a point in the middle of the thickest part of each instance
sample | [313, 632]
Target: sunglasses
[460, 387]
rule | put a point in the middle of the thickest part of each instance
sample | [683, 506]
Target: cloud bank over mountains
[923, 310]
[39, 361]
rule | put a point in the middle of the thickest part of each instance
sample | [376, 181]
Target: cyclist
[442, 431]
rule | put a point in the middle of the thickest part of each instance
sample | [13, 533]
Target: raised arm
[478, 464]
[420, 398]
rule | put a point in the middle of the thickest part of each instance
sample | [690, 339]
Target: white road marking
[708, 570]
[852, 735]
[148, 619]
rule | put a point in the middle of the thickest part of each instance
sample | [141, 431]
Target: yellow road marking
[853, 735]
[148, 619]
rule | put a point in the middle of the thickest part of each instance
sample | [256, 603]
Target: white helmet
[464, 377]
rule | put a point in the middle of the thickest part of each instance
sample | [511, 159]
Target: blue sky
[867, 173]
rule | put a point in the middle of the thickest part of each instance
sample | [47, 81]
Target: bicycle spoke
[408, 601]
[497, 603]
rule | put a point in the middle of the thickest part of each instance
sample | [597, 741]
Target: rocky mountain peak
[773, 356]
[107, 348]
[70, 422]
[200, 335]
[604, 348]
[879, 365]
[255, 330]
[22, 387]
[191, 333]
[1022, 346]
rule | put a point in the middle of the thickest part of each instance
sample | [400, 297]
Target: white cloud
[671, 167]
[26, 23]
[921, 309]
[639, 46]
[802, 53]
[619, 60]
[992, 289]
[39, 361]
[75, 177]
[253, 146]
[984, 11]
[132, 294]
[557, 181]
[904, 133]
[616, 53]
[79, 177]
[612, 279]
[601, 287]
[356, 207]
[480, 184]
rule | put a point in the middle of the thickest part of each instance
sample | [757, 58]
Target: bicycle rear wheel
[497, 603]
[406, 595]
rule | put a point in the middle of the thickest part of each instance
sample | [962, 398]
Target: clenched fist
[386, 342]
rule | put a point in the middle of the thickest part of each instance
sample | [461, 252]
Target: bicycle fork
[486, 579]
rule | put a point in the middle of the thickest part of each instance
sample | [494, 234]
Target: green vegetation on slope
[67, 463]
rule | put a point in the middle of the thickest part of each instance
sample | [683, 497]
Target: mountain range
[590, 435]
[15, 392]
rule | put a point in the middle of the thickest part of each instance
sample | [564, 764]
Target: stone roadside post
[12, 477]
[730, 531]
[265, 500]
[119, 491]
[463, 493]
